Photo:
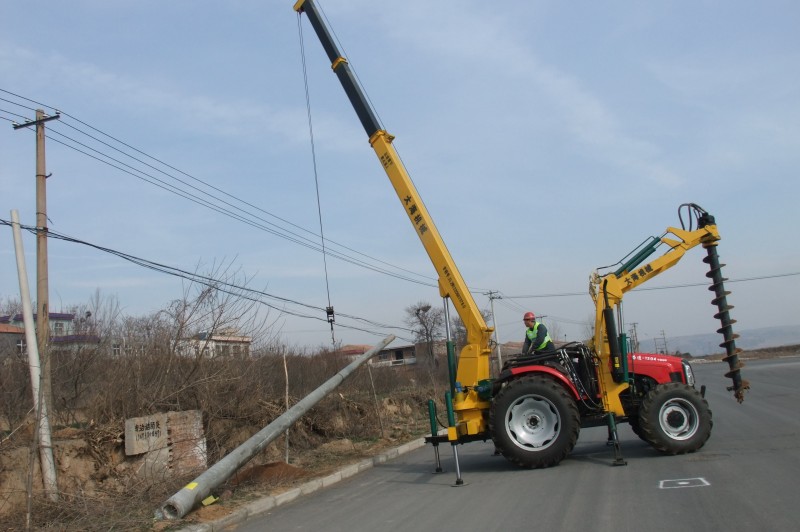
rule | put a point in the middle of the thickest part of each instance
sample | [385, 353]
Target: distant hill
[708, 344]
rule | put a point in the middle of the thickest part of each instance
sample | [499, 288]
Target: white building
[217, 344]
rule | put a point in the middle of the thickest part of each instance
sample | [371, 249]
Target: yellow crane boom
[473, 362]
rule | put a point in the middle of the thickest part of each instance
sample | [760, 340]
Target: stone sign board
[171, 443]
[145, 434]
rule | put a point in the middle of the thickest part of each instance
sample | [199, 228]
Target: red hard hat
[529, 316]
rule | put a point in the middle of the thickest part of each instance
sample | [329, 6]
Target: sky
[546, 139]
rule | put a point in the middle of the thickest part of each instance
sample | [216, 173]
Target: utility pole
[661, 343]
[492, 296]
[42, 288]
[42, 434]
[634, 337]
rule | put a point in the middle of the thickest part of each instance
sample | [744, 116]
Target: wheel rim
[533, 422]
[679, 419]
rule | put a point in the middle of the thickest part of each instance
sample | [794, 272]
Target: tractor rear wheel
[675, 419]
[534, 422]
[634, 423]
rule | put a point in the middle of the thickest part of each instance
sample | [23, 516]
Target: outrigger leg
[434, 442]
[613, 439]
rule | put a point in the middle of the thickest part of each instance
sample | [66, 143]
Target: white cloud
[490, 46]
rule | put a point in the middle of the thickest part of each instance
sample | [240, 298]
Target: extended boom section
[473, 364]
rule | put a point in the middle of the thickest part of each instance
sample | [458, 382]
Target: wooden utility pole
[42, 287]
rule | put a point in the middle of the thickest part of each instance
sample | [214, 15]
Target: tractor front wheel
[534, 422]
[675, 419]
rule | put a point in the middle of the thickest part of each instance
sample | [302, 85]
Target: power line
[531, 296]
[285, 234]
[759, 278]
[223, 286]
[665, 287]
[214, 202]
[200, 198]
[11, 113]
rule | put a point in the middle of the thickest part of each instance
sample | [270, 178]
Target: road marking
[683, 483]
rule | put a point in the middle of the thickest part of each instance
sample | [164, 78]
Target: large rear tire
[634, 423]
[534, 422]
[675, 419]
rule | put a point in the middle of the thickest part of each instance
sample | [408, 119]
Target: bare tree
[10, 306]
[205, 310]
[158, 361]
[459, 330]
[554, 331]
[427, 324]
[588, 328]
[145, 372]
[98, 317]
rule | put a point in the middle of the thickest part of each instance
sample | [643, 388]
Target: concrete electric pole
[42, 288]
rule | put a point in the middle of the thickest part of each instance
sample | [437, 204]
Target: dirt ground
[94, 474]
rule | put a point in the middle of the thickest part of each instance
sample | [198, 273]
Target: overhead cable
[244, 292]
[234, 212]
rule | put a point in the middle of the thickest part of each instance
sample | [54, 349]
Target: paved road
[744, 479]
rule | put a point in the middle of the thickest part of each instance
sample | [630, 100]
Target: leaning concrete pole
[182, 502]
[46, 459]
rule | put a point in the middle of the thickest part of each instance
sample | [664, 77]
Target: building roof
[360, 349]
[10, 329]
[223, 336]
[354, 349]
[58, 316]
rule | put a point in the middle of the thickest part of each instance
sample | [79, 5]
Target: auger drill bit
[729, 337]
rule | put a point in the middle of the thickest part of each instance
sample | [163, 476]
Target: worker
[537, 340]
